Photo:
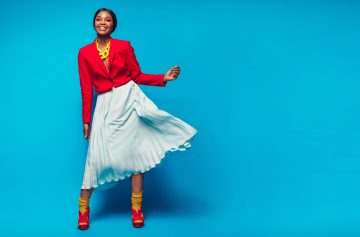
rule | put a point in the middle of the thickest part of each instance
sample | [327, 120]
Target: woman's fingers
[88, 133]
[176, 70]
[173, 73]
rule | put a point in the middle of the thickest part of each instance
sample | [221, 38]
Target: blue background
[271, 86]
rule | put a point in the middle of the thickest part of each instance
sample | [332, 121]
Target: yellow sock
[136, 199]
[83, 204]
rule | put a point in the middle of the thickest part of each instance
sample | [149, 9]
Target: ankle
[83, 204]
[136, 200]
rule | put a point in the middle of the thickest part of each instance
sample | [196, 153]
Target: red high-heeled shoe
[137, 218]
[83, 221]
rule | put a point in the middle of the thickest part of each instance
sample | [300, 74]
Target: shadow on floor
[159, 197]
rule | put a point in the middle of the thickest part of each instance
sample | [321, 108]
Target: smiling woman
[109, 17]
[129, 134]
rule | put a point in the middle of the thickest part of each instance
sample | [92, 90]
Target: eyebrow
[105, 17]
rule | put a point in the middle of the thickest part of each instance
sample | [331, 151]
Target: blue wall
[271, 86]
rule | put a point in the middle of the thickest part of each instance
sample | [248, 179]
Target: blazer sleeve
[136, 74]
[86, 85]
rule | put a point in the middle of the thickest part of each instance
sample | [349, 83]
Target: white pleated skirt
[130, 135]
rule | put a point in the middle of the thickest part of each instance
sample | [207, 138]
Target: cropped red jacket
[123, 67]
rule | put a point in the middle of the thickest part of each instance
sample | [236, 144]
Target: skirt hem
[183, 146]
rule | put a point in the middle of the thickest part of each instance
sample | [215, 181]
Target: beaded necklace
[105, 53]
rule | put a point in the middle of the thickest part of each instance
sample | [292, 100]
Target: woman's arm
[86, 85]
[137, 75]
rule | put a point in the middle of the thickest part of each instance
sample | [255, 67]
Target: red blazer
[123, 67]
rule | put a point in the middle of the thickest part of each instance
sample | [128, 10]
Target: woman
[129, 134]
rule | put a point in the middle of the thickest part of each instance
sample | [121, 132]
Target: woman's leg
[136, 199]
[86, 193]
[137, 182]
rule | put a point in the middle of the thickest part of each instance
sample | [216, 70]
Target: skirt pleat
[130, 135]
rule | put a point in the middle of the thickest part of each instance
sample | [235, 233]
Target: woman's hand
[86, 130]
[172, 74]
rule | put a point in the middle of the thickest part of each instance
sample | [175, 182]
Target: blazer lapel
[111, 53]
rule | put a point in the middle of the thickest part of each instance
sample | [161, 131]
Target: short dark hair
[113, 16]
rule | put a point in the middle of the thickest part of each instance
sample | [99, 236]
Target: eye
[98, 19]
[108, 19]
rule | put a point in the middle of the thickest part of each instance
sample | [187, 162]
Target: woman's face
[103, 23]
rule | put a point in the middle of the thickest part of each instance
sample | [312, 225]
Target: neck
[102, 40]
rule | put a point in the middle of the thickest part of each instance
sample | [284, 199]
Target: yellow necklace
[105, 53]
